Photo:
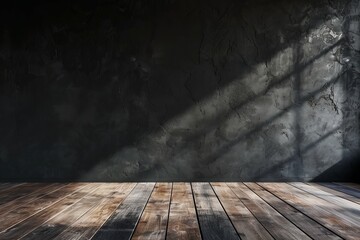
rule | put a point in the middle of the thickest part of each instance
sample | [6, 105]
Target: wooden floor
[179, 211]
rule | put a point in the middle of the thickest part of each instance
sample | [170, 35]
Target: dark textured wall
[178, 90]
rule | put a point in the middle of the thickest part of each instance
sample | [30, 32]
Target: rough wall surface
[178, 90]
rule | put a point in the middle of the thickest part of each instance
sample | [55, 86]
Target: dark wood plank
[6, 186]
[54, 226]
[214, 223]
[87, 225]
[247, 226]
[153, 221]
[318, 209]
[344, 189]
[350, 185]
[332, 188]
[306, 224]
[278, 226]
[25, 226]
[10, 194]
[24, 200]
[123, 221]
[183, 223]
[348, 208]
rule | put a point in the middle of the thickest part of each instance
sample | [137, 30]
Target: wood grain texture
[316, 208]
[22, 212]
[335, 190]
[153, 221]
[348, 208]
[123, 221]
[183, 223]
[23, 227]
[10, 194]
[54, 226]
[27, 199]
[350, 185]
[214, 223]
[350, 190]
[7, 186]
[83, 211]
[306, 224]
[278, 226]
[87, 225]
[246, 225]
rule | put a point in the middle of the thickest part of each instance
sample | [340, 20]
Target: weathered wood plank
[54, 226]
[247, 226]
[278, 226]
[123, 221]
[57, 206]
[344, 189]
[183, 223]
[350, 185]
[348, 208]
[23, 212]
[316, 208]
[7, 186]
[306, 224]
[24, 200]
[332, 188]
[86, 226]
[153, 221]
[10, 194]
[214, 223]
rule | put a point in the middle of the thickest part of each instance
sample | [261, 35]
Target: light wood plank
[306, 224]
[54, 226]
[90, 223]
[183, 223]
[24, 227]
[275, 223]
[332, 188]
[153, 221]
[214, 223]
[123, 221]
[348, 208]
[24, 200]
[316, 208]
[247, 226]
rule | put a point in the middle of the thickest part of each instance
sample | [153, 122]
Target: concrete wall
[178, 90]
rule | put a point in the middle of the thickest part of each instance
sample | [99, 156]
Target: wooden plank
[183, 223]
[247, 226]
[58, 205]
[348, 208]
[344, 189]
[9, 206]
[86, 226]
[123, 221]
[214, 223]
[6, 186]
[332, 188]
[278, 226]
[21, 190]
[21, 213]
[350, 185]
[306, 224]
[54, 226]
[153, 221]
[320, 210]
